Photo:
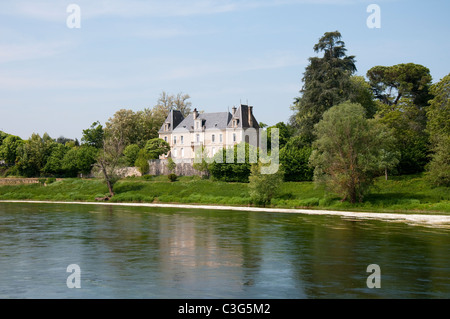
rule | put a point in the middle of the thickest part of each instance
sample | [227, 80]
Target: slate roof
[217, 120]
[174, 119]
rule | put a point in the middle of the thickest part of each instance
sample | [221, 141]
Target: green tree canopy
[94, 135]
[438, 127]
[348, 150]
[156, 147]
[9, 149]
[326, 82]
[391, 83]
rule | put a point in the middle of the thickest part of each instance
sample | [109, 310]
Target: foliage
[391, 83]
[171, 165]
[263, 187]
[94, 135]
[326, 82]
[142, 162]
[156, 147]
[32, 155]
[407, 123]
[438, 127]
[294, 157]
[131, 153]
[110, 161]
[55, 164]
[9, 148]
[347, 151]
[172, 177]
[361, 92]
[235, 170]
[284, 131]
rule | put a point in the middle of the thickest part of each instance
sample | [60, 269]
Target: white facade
[212, 131]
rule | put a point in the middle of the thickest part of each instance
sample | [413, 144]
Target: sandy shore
[415, 219]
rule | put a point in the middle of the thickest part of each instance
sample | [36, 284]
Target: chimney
[250, 116]
[195, 114]
[233, 110]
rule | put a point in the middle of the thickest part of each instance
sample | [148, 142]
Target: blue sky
[59, 80]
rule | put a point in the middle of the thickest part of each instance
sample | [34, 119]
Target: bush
[50, 180]
[172, 177]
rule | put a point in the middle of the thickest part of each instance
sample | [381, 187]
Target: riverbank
[413, 219]
[400, 195]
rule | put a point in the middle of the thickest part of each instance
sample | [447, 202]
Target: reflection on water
[141, 252]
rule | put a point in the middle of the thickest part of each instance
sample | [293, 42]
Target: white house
[212, 131]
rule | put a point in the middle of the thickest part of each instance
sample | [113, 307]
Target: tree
[348, 150]
[326, 82]
[408, 124]
[123, 126]
[263, 186]
[33, 154]
[94, 135]
[9, 149]
[285, 132]
[54, 164]
[142, 162]
[111, 160]
[294, 157]
[237, 170]
[438, 127]
[181, 104]
[361, 92]
[391, 83]
[156, 147]
[79, 160]
[131, 153]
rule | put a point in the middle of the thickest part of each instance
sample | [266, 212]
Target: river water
[141, 252]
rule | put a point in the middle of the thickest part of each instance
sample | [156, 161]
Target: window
[182, 152]
[198, 138]
[213, 138]
[174, 140]
[197, 125]
[213, 151]
[220, 138]
[234, 137]
[174, 152]
[165, 138]
[181, 139]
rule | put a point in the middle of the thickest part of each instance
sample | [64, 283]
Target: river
[148, 252]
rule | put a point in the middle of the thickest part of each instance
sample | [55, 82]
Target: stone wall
[184, 167]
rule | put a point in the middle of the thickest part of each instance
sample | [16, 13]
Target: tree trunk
[385, 174]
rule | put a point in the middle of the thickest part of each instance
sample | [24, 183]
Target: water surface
[141, 252]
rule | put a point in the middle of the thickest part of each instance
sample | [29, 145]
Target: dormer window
[235, 123]
[166, 126]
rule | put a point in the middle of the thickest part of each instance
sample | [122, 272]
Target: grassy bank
[406, 194]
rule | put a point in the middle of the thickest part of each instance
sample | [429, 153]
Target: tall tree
[348, 150]
[94, 135]
[326, 82]
[403, 92]
[111, 160]
[391, 83]
[438, 127]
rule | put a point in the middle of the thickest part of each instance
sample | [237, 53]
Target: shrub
[172, 177]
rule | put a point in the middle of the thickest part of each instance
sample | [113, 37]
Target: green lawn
[407, 194]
